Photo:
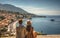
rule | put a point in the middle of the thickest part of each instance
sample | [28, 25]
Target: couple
[25, 32]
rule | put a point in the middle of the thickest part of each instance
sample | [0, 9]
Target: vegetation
[2, 17]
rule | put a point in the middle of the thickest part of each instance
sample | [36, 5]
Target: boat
[52, 20]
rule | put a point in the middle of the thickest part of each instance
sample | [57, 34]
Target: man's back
[20, 32]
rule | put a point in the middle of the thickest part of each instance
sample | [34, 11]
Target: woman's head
[28, 22]
[28, 25]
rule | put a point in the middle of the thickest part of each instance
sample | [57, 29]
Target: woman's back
[29, 34]
[29, 30]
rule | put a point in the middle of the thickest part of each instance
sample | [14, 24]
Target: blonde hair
[29, 22]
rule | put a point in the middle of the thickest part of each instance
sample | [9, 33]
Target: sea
[45, 25]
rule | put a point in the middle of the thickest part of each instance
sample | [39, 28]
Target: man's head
[20, 21]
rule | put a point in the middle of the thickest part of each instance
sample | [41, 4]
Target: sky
[39, 7]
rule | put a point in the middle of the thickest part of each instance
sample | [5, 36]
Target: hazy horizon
[38, 7]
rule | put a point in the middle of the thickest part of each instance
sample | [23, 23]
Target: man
[20, 30]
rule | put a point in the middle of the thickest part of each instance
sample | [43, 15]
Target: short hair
[20, 21]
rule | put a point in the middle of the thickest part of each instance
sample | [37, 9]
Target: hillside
[12, 8]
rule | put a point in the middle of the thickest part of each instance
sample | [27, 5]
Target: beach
[39, 36]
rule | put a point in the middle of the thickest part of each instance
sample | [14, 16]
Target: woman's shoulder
[35, 33]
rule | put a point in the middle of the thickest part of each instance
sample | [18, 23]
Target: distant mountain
[12, 8]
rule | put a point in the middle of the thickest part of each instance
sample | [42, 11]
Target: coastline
[38, 36]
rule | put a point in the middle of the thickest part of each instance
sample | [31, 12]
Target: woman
[29, 30]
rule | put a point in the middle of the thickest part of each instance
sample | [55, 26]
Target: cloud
[40, 11]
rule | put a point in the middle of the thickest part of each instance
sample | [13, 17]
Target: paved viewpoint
[40, 36]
